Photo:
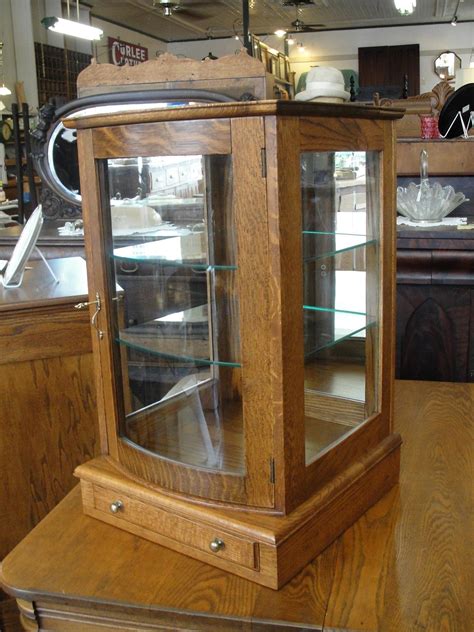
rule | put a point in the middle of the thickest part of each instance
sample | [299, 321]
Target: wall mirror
[446, 65]
[54, 149]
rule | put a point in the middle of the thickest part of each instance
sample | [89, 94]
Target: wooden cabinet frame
[279, 504]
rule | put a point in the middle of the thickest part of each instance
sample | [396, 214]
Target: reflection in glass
[176, 315]
[340, 210]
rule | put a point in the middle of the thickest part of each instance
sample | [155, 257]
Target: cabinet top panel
[236, 109]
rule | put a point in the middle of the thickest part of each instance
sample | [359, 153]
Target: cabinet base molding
[267, 549]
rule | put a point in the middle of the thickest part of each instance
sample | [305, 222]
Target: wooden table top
[39, 287]
[405, 565]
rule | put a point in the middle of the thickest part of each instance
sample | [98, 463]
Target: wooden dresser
[435, 304]
[435, 272]
[48, 421]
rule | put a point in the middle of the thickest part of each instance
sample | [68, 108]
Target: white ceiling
[199, 19]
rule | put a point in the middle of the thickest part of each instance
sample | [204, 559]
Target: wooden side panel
[48, 426]
[342, 510]
[388, 278]
[96, 243]
[373, 283]
[180, 138]
[43, 333]
[286, 301]
[253, 283]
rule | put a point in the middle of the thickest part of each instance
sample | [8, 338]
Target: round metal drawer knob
[116, 506]
[216, 545]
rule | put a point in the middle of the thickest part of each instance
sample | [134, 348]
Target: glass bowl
[427, 202]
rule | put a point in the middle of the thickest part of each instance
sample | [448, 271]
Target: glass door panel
[340, 219]
[177, 345]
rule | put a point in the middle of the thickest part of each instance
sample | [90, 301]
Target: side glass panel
[341, 209]
[177, 346]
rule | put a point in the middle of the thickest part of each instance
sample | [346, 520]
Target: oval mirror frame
[447, 64]
[50, 140]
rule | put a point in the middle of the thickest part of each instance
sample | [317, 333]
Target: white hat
[324, 82]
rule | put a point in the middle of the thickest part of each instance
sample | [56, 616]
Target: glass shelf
[322, 332]
[318, 245]
[184, 251]
[333, 310]
[182, 336]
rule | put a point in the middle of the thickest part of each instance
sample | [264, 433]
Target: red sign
[122, 53]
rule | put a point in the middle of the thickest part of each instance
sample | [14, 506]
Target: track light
[454, 21]
[74, 29]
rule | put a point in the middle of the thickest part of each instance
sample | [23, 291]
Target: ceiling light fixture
[290, 41]
[405, 7]
[280, 32]
[4, 91]
[71, 27]
[301, 48]
[74, 29]
[454, 21]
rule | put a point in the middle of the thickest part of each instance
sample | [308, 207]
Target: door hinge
[263, 160]
[272, 471]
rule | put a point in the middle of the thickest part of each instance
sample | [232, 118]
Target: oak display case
[246, 415]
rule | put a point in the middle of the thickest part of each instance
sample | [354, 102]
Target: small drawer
[203, 537]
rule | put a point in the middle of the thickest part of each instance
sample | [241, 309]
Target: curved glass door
[341, 210]
[177, 346]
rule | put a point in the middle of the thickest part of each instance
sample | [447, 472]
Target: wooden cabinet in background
[385, 67]
[435, 304]
[48, 418]
[435, 272]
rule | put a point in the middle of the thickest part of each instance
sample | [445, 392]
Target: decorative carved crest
[168, 67]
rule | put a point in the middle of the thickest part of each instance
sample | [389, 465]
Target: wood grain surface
[408, 564]
[286, 297]
[405, 566]
[445, 157]
[236, 109]
[253, 279]
[179, 138]
[48, 420]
